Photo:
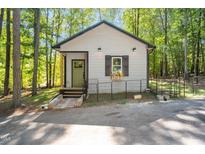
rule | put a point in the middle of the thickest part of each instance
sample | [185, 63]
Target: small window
[78, 64]
[116, 65]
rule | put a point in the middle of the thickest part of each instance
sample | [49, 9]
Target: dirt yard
[173, 122]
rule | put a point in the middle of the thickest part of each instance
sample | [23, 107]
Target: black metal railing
[174, 87]
[198, 82]
[85, 89]
[117, 88]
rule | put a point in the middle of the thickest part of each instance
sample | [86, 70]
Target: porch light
[134, 50]
[99, 50]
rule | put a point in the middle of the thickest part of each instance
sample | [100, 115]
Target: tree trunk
[193, 44]
[193, 58]
[82, 19]
[134, 12]
[51, 52]
[22, 67]
[54, 68]
[185, 45]
[138, 21]
[202, 48]
[16, 58]
[8, 50]
[50, 68]
[1, 20]
[47, 14]
[100, 15]
[57, 36]
[36, 48]
[165, 42]
[202, 60]
[71, 23]
[198, 44]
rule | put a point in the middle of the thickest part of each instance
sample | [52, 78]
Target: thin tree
[134, 12]
[82, 17]
[71, 22]
[138, 22]
[198, 44]
[193, 43]
[164, 20]
[202, 45]
[51, 53]
[165, 42]
[36, 49]
[47, 15]
[16, 58]
[8, 50]
[1, 20]
[185, 44]
[100, 14]
[59, 22]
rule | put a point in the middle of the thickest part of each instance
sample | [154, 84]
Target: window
[78, 64]
[116, 65]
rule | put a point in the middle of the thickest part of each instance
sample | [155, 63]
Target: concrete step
[72, 89]
[74, 92]
[71, 96]
[71, 92]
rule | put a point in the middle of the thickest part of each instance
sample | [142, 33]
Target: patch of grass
[43, 97]
[118, 98]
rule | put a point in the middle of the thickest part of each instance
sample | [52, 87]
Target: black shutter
[108, 65]
[125, 65]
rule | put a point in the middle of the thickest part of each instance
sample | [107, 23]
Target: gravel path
[174, 122]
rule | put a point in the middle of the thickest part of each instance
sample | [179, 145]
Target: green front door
[78, 72]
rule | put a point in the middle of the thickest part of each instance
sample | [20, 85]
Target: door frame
[72, 69]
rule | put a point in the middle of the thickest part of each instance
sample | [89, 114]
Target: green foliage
[151, 28]
[63, 23]
[43, 97]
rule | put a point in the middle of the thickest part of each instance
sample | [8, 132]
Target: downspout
[147, 67]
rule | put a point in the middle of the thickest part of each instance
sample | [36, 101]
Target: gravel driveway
[173, 122]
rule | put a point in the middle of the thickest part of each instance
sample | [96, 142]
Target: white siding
[112, 42]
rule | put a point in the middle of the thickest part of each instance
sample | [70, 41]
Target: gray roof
[98, 24]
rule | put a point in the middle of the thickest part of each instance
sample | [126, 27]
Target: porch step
[71, 89]
[71, 92]
[71, 96]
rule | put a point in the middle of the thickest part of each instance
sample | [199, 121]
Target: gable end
[98, 24]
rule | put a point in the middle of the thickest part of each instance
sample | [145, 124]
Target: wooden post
[97, 86]
[193, 90]
[175, 87]
[111, 91]
[179, 87]
[61, 70]
[184, 87]
[125, 89]
[140, 86]
[156, 87]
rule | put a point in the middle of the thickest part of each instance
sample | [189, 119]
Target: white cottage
[106, 56]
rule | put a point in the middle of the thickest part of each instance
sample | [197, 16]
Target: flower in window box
[117, 75]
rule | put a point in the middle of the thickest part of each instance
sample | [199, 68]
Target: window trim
[113, 57]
